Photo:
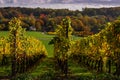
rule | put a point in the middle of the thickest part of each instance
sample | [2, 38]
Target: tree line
[85, 22]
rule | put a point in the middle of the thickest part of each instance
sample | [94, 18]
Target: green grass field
[39, 35]
[45, 40]
[42, 37]
[3, 33]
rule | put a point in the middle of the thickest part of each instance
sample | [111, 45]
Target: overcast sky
[60, 4]
[57, 1]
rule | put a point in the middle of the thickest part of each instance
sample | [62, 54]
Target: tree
[38, 25]
[1, 16]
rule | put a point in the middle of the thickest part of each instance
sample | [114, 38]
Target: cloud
[56, 1]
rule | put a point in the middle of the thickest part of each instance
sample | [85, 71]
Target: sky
[58, 1]
[60, 4]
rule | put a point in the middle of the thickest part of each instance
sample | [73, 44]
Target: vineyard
[101, 51]
[67, 57]
[21, 51]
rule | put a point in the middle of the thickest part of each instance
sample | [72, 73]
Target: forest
[86, 22]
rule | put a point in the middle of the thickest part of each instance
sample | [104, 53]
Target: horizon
[60, 4]
[70, 6]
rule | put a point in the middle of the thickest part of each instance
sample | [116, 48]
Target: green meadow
[39, 35]
[45, 38]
